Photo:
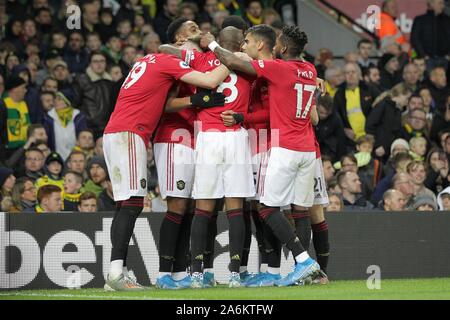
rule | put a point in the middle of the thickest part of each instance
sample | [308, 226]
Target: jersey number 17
[301, 88]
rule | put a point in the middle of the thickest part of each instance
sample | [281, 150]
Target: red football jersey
[292, 85]
[257, 119]
[178, 127]
[143, 94]
[236, 88]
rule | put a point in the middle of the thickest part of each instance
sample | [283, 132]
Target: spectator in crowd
[106, 27]
[442, 135]
[106, 198]
[53, 168]
[73, 181]
[388, 27]
[389, 71]
[151, 42]
[49, 84]
[443, 200]
[403, 182]
[92, 93]
[85, 143]
[93, 42]
[116, 73]
[428, 104]
[365, 48]
[42, 145]
[219, 17]
[34, 163]
[31, 95]
[430, 35]
[424, 203]
[210, 8]
[416, 125]
[60, 72]
[328, 169]
[76, 55]
[353, 102]
[372, 79]
[384, 121]
[188, 10]
[393, 200]
[439, 88]
[440, 122]
[351, 57]
[50, 58]
[14, 117]
[333, 186]
[353, 198]
[422, 67]
[410, 78]
[165, 17]
[270, 15]
[76, 161]
[98, 150]
[418, 173]
[334, 77]
[63, 124]
[88, 202]
[23, 195]
[253, 13]
[438, 171]
[98, 175]
[7, 181]
[129, 10]
[49, 200]
[58, 42]
[90, 17]
[336, 203]
[350, 163]
[400, 163]
[418, 148]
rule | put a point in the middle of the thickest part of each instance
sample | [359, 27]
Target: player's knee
[177, 205]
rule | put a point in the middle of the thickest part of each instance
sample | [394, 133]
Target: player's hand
[206, 39]
[180, 42]
[243, 56]
[227, 118]
[321, 86]
[207, 99]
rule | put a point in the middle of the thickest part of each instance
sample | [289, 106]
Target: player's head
[291, 42]
[183, 29]
[231, 38]
[235, 21]
[259, 38]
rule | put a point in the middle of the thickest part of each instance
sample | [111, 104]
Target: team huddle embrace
[231, 122]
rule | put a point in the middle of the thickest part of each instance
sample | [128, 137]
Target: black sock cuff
[174, 217]
[234, 213]
[319, 227]
[200, 212]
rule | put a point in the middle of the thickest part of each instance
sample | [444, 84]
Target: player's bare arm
[207, 81]
[170, 49]
[227, 57]
[314, 116]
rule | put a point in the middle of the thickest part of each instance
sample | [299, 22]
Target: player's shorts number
[135, 73]
[300, 90]
[318, 186]
[230, 85]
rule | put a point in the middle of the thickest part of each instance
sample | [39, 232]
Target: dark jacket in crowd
[385, 123]
[388, 80]
[439, 123]
[92, 95]
[361, 204]
[439, 95]
[105, 202]
[430, 35]
[77, 61]
[161, 24]
[331, 137]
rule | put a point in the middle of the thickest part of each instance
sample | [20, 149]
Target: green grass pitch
[414, 289]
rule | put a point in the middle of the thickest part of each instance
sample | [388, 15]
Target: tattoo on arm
[169, 49]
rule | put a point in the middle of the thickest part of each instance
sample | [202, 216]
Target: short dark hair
[326, 158]
[295, 39]
[97, 53]
[46, 191]
[366, 71]
[265, 33]
[78, 176]
[87, 195]
[34, 149]
[362, 41]
[85, 130]
[235, 21]
[350, 156]
[174, 27]
[414, 95]
[33, 127]
[326, 101]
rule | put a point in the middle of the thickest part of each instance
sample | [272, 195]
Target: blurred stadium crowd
[384, 126]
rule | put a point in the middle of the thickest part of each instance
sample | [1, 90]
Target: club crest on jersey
[261, 63]
[206, 98]
[181, 185]
[184, 65]
[143, 183]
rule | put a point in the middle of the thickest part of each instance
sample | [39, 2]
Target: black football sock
[208, 258]
[181, 262]
[272, 248]
[282, 229]
[259, 227]
[236, 236]
[247, 238]
[168, 236]
[123, 225]
[302, 226]
[199, 231]
[321, 244]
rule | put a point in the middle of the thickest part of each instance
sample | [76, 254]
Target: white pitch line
[66, 295]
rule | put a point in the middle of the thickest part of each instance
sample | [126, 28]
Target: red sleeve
[260, 116]
[266, 69]
[175, 67]
[188, 114]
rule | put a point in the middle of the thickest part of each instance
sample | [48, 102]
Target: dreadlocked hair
[295, 39]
